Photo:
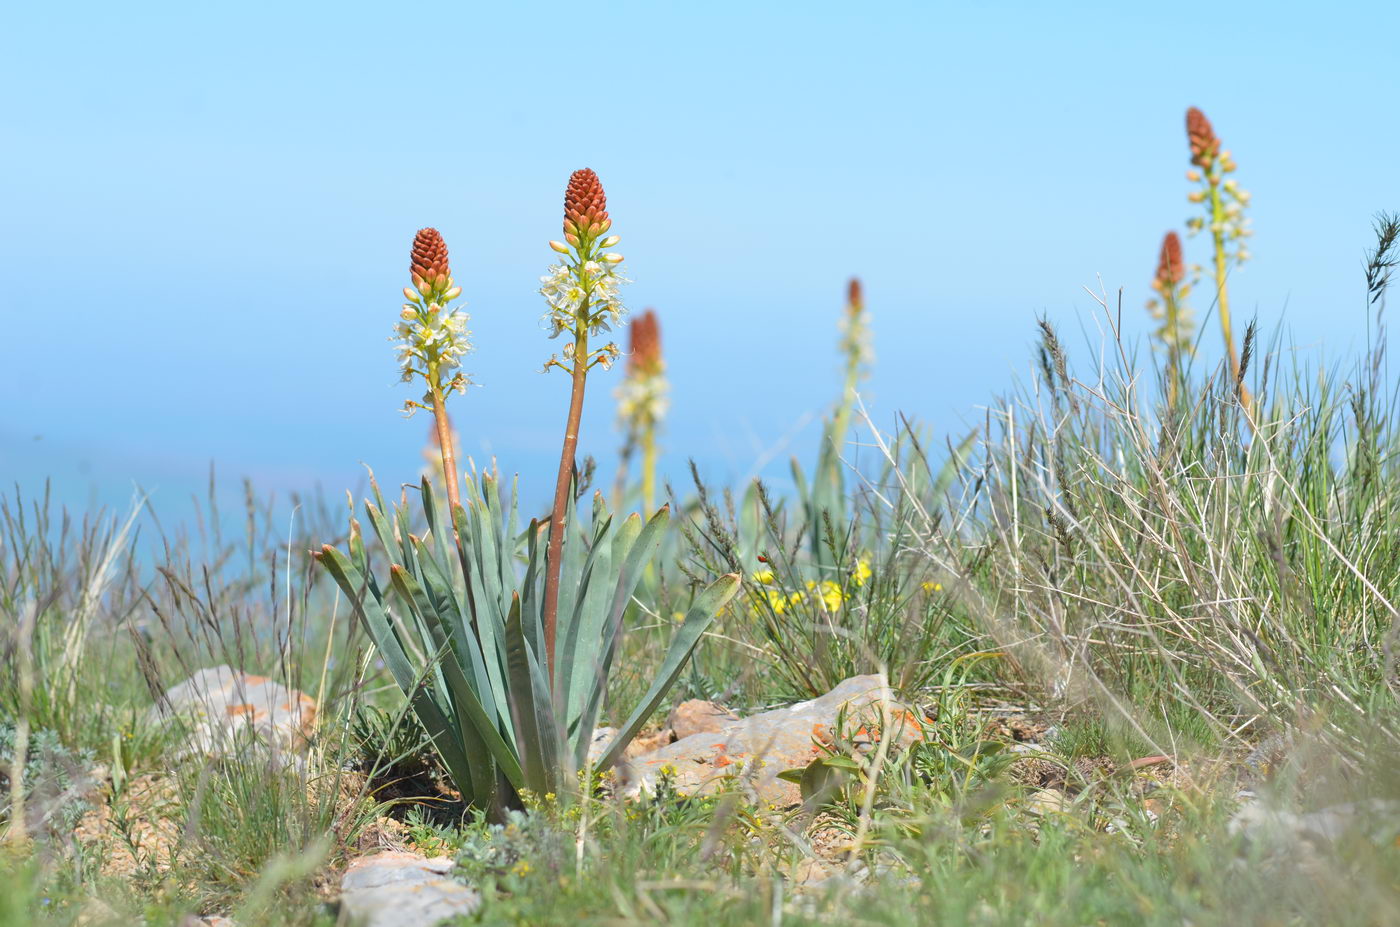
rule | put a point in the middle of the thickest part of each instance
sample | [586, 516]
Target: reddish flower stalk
[432, 279]
[585, 219]
[1207, 155]
[644, 368]
[1171, 271]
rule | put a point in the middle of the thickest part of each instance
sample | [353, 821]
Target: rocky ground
[394, 877]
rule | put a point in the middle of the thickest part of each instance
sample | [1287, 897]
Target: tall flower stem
[649, 470]
[855, 346]
[553, 559]
[1225, 203]
[582, 294]
[1217, 211]
[642, 404]
[1173, 352]
[432, 338]
[1169, 307]
[449, 454]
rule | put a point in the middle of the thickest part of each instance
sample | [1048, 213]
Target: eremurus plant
[1224, 203]
[504, 653]
[431, 339]
[1169, 308]
[641, 401]
[583, 301]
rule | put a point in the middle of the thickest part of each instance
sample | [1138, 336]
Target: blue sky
[206, 210]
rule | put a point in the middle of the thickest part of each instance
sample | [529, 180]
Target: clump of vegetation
[509, 703]
[1141, 619]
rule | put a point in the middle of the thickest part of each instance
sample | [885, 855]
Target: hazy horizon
[212, 210]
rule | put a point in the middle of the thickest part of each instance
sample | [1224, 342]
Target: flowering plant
[1224, 203]
[431, 339]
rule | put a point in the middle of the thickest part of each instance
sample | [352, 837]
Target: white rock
[225, 707]
[756, 749]
[397, 889]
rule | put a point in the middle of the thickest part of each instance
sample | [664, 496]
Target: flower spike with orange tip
[855, 345]
[1224, 203]
[432, 339]
[582, 293]
[1169, 308]
[641, 402]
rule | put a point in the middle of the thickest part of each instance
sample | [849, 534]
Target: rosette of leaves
[460, 625]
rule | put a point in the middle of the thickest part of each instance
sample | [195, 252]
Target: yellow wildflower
[933, 587]
[861, 574]
[829, 592]
[764, 576]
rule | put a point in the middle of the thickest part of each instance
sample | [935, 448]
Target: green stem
[1169, 299]
[1217, 231]
[561, 489]
[848, 401]
[648, 470]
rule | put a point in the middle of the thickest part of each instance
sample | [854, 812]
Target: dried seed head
[1171, 270]
[585, 204]
[429, 262]
[644, 354]
[1201, 136]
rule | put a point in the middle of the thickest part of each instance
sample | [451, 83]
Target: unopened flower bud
[613, 258]
[585, 204]
[409, 295]
[1196, 196]
[428, 262]
[1170, 267]
[571, 238]
[408, 313]
[559, 246]
[1201, 137]
[610, 241]
[452, 293]
[1193, 176]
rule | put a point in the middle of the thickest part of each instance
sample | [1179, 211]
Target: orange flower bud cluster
[1200, 134]
[1171, 269]
[428, 264]
[644, 355]
[585, 207]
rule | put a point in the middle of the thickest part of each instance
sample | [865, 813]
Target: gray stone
[602, 739]
[1279, 829]
[225, 706]
[398, 889]
[752, 752]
